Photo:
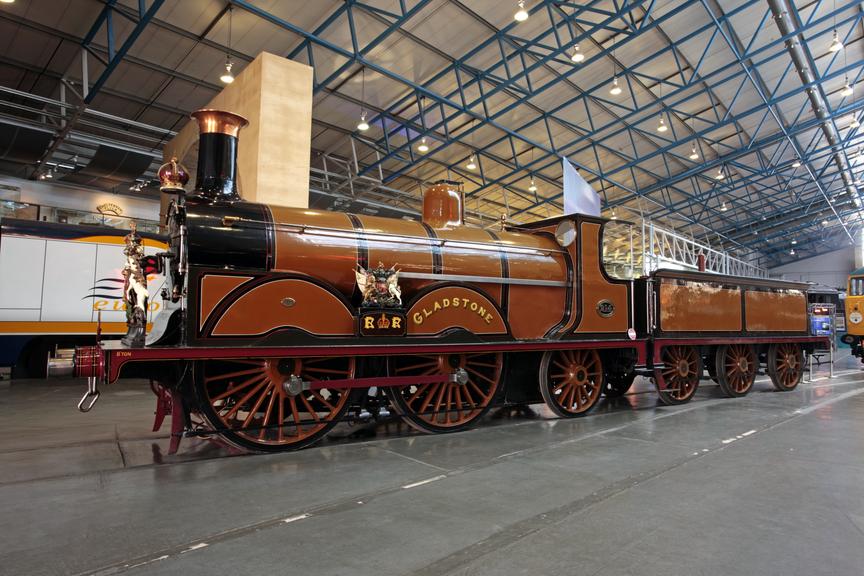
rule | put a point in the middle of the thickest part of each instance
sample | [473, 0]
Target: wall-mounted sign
[109, 208]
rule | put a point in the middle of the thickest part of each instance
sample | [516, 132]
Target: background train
[57, 280]
[280, 321]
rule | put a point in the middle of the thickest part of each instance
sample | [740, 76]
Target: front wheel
[250, 403]
[571, 381]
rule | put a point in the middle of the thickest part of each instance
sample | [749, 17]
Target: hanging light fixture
[471, 165]
[227, 77]
[615, 89]
[792, 252]
[532, 187]
[824, 222]
[847, 89]
[794, 242]
[796, 163]
[694, 154]
[614, 216]
[720, 175]
[723, 207]
[50, 173]
[521, 14]
[836, 44]
[662, 127]
[362, 126]
[577, 56]
[423, 147]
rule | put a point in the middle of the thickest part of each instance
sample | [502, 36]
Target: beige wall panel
[275, 95]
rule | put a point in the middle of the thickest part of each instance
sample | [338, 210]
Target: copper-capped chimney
[216, 177]
[443, 204]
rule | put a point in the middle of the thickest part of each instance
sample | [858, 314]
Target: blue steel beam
[115, 57]
[698, 135]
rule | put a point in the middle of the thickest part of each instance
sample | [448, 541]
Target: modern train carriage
[55, 280]
[284, 321]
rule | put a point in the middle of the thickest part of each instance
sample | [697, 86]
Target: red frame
[117, 355]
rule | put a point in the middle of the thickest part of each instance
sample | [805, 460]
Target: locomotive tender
[279, 321]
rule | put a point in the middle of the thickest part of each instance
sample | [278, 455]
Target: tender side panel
[598, 291]
[454, 307]
[214, 288]
[286, 303]
[687, 306]
[776, 311]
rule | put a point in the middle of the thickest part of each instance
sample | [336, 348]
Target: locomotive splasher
[280, 313]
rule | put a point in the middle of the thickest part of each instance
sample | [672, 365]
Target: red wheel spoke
[267, 415]
[257, 405]
[322, 400]
[245, 399]
[235, 389]
[233, 374]
[479, 375]
[312, 411]
[296, 415]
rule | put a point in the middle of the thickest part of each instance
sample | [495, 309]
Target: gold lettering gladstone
[466, 304]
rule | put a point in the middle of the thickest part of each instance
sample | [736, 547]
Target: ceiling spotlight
[824, 222]
[792, 252]
[796, 163]
[662, 127]
[42, 176]
[532, 187]
[794, 242]
[720, 175]
[614, 216]
[694, 155]
[521, 14]
[854, 123]
[49, 174]
[723, 207]
[227, 77]
[577, 55]
[836, 45]
[362, 126]
[847, 89]
[471, 165]
[423, 147]
[615, 89]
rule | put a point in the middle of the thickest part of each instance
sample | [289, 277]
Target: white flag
[579, 196]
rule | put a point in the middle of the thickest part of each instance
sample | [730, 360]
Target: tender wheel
[446, 406]
[255, 403]
[679, 378]
[617, 384]
[571, 381]
[785, 366]
[736, 366]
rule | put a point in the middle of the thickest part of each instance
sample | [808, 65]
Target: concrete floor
[768, 484]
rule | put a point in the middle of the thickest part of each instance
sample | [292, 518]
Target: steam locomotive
[281, 322]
